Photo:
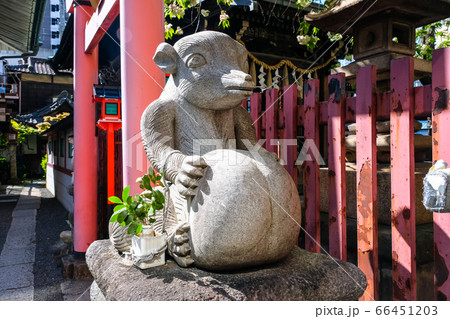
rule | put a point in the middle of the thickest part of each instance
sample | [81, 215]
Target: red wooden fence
[281, 117]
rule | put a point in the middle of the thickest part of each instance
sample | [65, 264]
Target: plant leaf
[129, 200]
[115, 200]
[146, 181]
[113, 218]
[151, 211]
[159, 196]
[139, 229]
[128, 220]
[122, 216]
[125, 193]
[134, 205]
[118, 207]
[132, 228]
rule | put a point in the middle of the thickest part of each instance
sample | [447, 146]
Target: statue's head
[209, 69]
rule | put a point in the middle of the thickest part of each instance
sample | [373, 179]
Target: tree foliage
[428, 38]
[432, 36]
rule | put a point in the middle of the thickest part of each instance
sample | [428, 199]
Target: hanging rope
[288, 63]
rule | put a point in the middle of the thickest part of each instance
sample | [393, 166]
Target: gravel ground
[50, 222]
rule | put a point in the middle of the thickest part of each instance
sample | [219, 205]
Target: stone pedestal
[301, 276]
[13, 164]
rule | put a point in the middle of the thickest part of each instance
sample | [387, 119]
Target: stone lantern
[382, 30]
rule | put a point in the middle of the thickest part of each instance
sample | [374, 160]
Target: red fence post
[336, 166]
[290, 130]
[255, 113]
[441, 150]
[271, 120]
[366, 179]
[402, 180]
[311, 168]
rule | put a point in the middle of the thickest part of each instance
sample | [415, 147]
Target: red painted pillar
[272, 120]
[366, 179]
[141, 31]
[110, 164]
[336, 167]
[85, 141]
[403, 208]
[441, 150]
[311, 168]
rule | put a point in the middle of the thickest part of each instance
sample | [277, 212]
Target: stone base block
[301, 276]
[75, 268]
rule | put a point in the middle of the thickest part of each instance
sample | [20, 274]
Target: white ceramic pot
[148, 251]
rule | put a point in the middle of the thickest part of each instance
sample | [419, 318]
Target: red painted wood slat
[311, 168]
[422, 101]
[290, 131]
[384, 106]
[350, 105]
[336, 166]
[402, 180]
[271, 120]
[441, 150]
[255, 113]
[366, 179]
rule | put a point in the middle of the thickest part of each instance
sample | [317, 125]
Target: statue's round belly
[231, 216]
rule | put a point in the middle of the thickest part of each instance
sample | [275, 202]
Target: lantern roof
[345, 13]
[109, 92]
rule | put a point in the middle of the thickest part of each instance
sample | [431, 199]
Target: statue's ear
[166, 58]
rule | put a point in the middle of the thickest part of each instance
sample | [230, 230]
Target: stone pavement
[18, 260]
[18, 254]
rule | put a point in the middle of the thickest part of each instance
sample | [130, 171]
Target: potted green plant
[139, 214]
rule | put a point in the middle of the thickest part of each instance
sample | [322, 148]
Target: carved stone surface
[301, 276]
[246, 211]
[229, 214]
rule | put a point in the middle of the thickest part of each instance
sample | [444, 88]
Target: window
[55, 151]
[55, 34]
[70, 150]
[50, 148]
[55, 21]
[111, 109]
[55, 46]
[55, 7]
[61, 147]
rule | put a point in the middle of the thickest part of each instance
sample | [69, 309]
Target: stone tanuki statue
[231, 203]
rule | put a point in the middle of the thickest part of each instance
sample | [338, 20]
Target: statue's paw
[190, 173]
[179, 247]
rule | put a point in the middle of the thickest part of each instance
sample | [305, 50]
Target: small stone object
[66, 236]
[436, 190]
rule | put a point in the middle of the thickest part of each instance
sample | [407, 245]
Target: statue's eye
[195, 60]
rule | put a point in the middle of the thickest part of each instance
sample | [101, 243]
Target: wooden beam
[69, 6]
[100, 22]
